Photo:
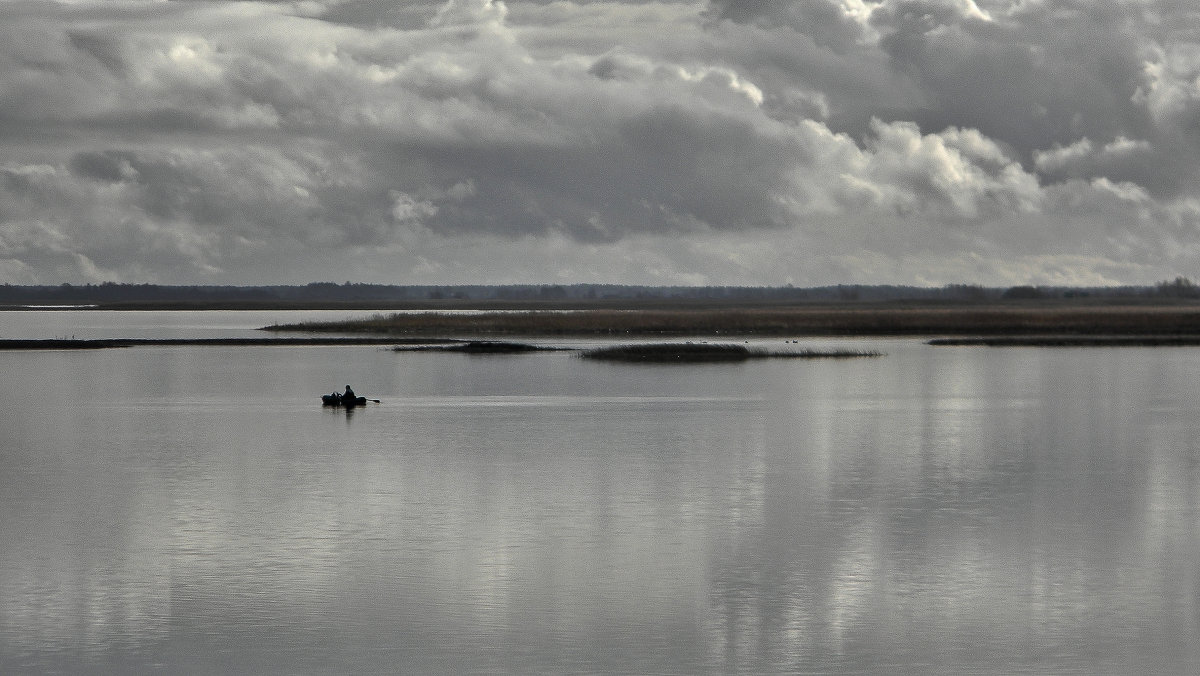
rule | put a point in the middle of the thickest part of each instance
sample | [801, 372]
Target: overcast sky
[761, 142]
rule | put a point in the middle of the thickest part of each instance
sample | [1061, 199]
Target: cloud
[471, 13]
[1121, 159]
[818, 141]
[958, 174]
[406, 209]
[832, 24]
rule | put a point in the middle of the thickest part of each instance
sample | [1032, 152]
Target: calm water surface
[94, 324]
[938, 510]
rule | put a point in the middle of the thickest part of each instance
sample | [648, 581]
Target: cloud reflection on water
[940, 510]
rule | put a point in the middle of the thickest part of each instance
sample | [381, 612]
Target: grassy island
[478, 347]
[687, 353]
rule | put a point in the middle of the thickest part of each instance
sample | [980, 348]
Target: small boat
[336, 400]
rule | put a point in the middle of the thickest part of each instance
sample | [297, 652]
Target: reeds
[690, 353]
[991, 320]
[478, 347]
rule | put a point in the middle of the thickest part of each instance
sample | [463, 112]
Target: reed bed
[479, 347]
[1069, 341]
[688, 353]
[988, 320]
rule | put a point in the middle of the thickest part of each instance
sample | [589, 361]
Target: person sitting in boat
[348, 396]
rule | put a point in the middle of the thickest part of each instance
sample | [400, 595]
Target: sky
[711, 142]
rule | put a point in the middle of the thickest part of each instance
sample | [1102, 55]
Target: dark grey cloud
[1030, 80]
[927, 141]
[826, 23]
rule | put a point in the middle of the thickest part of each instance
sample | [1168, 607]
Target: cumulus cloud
[470, 13]
[957, 174]
[764, 142]
[1120, 159]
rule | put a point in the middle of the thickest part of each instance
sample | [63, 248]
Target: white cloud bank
[479, 141]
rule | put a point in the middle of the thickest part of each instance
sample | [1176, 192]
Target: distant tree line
[332, 294]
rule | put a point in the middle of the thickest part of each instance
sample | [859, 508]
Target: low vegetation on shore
[106, 343]
[877, 320]
[1069, 341]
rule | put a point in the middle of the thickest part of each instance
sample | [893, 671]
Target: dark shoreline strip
[1069, 341]
[927, 321]
[106, 343]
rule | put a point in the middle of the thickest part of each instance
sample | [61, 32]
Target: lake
[938, 510]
